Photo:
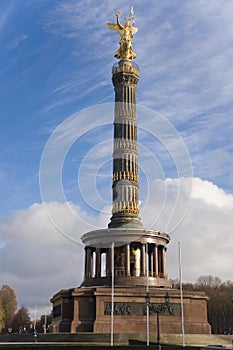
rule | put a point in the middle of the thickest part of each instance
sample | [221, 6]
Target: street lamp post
[147, 297]
[158, 331]
[160, 309]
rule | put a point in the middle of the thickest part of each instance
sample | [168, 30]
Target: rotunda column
[127, 260]
[86, 265]
[97, 263]
[151, 264]
[143, 259]
[160, 260]
[164, 262]
[156, 265]
[110, 257]
[90, 262]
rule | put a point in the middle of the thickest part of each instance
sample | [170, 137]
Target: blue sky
[55, 62]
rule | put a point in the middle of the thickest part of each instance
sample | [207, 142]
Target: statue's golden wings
[115, 27]
[134, 30]
[118, 28]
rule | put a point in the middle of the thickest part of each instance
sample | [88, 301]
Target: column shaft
[127, 260]
[151, 264]
[164, 262]
[160, 260]
[110, 261]
[143, 259]
[156, 265]
[85, 264]
[90, 262]
[97, 263]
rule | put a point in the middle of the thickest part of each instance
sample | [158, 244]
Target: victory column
[125, 229]
[125, 256]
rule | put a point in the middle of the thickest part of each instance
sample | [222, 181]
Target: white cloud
[3, 18]
[205, 232]
[36, 258]
[211, 194]
[14, 43]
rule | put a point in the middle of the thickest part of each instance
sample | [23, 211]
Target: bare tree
[220, 303]
[21, 320]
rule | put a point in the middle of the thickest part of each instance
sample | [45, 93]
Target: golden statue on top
[126, 33]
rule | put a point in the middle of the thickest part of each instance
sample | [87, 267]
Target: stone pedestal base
[88, 309]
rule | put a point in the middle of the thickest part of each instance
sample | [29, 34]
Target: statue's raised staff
[126, 33]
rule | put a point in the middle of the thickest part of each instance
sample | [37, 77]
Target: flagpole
[181, 296]
[34, 326]
[112, 304]
[35, 312]
[147, 300]
[45, 320]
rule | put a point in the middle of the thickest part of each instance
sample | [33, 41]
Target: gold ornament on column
[126, 32]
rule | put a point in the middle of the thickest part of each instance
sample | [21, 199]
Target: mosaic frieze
[139, 309]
